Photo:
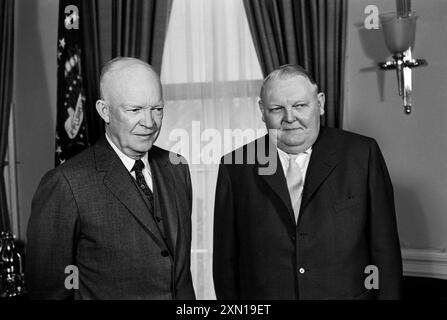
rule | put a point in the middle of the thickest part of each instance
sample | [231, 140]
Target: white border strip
[425, 263]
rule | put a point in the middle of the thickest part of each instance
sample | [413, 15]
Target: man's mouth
[144, 135]
[291, 129]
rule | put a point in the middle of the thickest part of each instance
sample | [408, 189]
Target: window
[211, 78]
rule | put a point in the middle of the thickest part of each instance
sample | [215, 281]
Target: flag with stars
[71, 128]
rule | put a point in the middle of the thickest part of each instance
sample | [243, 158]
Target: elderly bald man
[114, 222]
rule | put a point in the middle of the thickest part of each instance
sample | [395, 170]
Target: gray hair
[286, 72]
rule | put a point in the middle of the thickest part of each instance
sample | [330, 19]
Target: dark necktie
[138, 168]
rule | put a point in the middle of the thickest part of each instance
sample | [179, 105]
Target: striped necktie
[138, 168]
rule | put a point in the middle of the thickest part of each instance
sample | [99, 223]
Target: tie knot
[292, 157]
[138, 166]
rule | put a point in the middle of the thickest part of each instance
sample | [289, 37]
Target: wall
[414, 146]
[35, 96]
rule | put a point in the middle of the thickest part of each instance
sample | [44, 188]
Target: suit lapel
[119, 181]
[276, 181]
[164, 194]
[323, 160]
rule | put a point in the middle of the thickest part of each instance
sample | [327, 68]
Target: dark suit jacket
[346, 222]
[89, 213]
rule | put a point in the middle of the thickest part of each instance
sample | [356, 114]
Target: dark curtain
[310, 33]
[91, 69]
[139, 29]
[112, 28]
[6, 82]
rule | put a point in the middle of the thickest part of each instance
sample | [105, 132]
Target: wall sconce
[399, 30]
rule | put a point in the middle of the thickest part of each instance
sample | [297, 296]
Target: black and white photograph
[223, 154]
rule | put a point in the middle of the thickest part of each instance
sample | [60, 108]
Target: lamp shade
[399, 32]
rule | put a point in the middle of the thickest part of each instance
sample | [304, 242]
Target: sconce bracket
[392, 64]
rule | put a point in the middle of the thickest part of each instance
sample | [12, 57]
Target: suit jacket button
[164, 253]
[301, 270]
[293, 237]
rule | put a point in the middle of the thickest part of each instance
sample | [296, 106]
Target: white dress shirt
[302, 159]
[129, 163]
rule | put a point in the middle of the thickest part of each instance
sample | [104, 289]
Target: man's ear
[103, 109]
[261, 107]
[321, 100]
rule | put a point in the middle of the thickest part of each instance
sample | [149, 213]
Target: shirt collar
[285, 156]
[126, 160]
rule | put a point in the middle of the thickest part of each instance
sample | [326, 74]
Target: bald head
[123, 70]
[131, 105]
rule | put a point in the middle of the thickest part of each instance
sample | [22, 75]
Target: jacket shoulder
[345, 135]
[167, 156]
[61, 179]
[82, 162]
[348, 141]
[246, 154]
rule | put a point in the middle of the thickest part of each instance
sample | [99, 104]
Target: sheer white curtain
[211, 78]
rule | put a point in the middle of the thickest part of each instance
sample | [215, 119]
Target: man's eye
[135, 110]
[300, 105]
[275, 109]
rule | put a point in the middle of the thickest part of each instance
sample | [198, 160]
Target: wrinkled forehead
[298, 86]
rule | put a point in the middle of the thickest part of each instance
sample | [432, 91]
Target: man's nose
[147, 120]
[289, 115]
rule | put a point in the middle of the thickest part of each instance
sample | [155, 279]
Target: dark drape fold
[139, 29]
[91, 57]
[311, 33]
[6, 83]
